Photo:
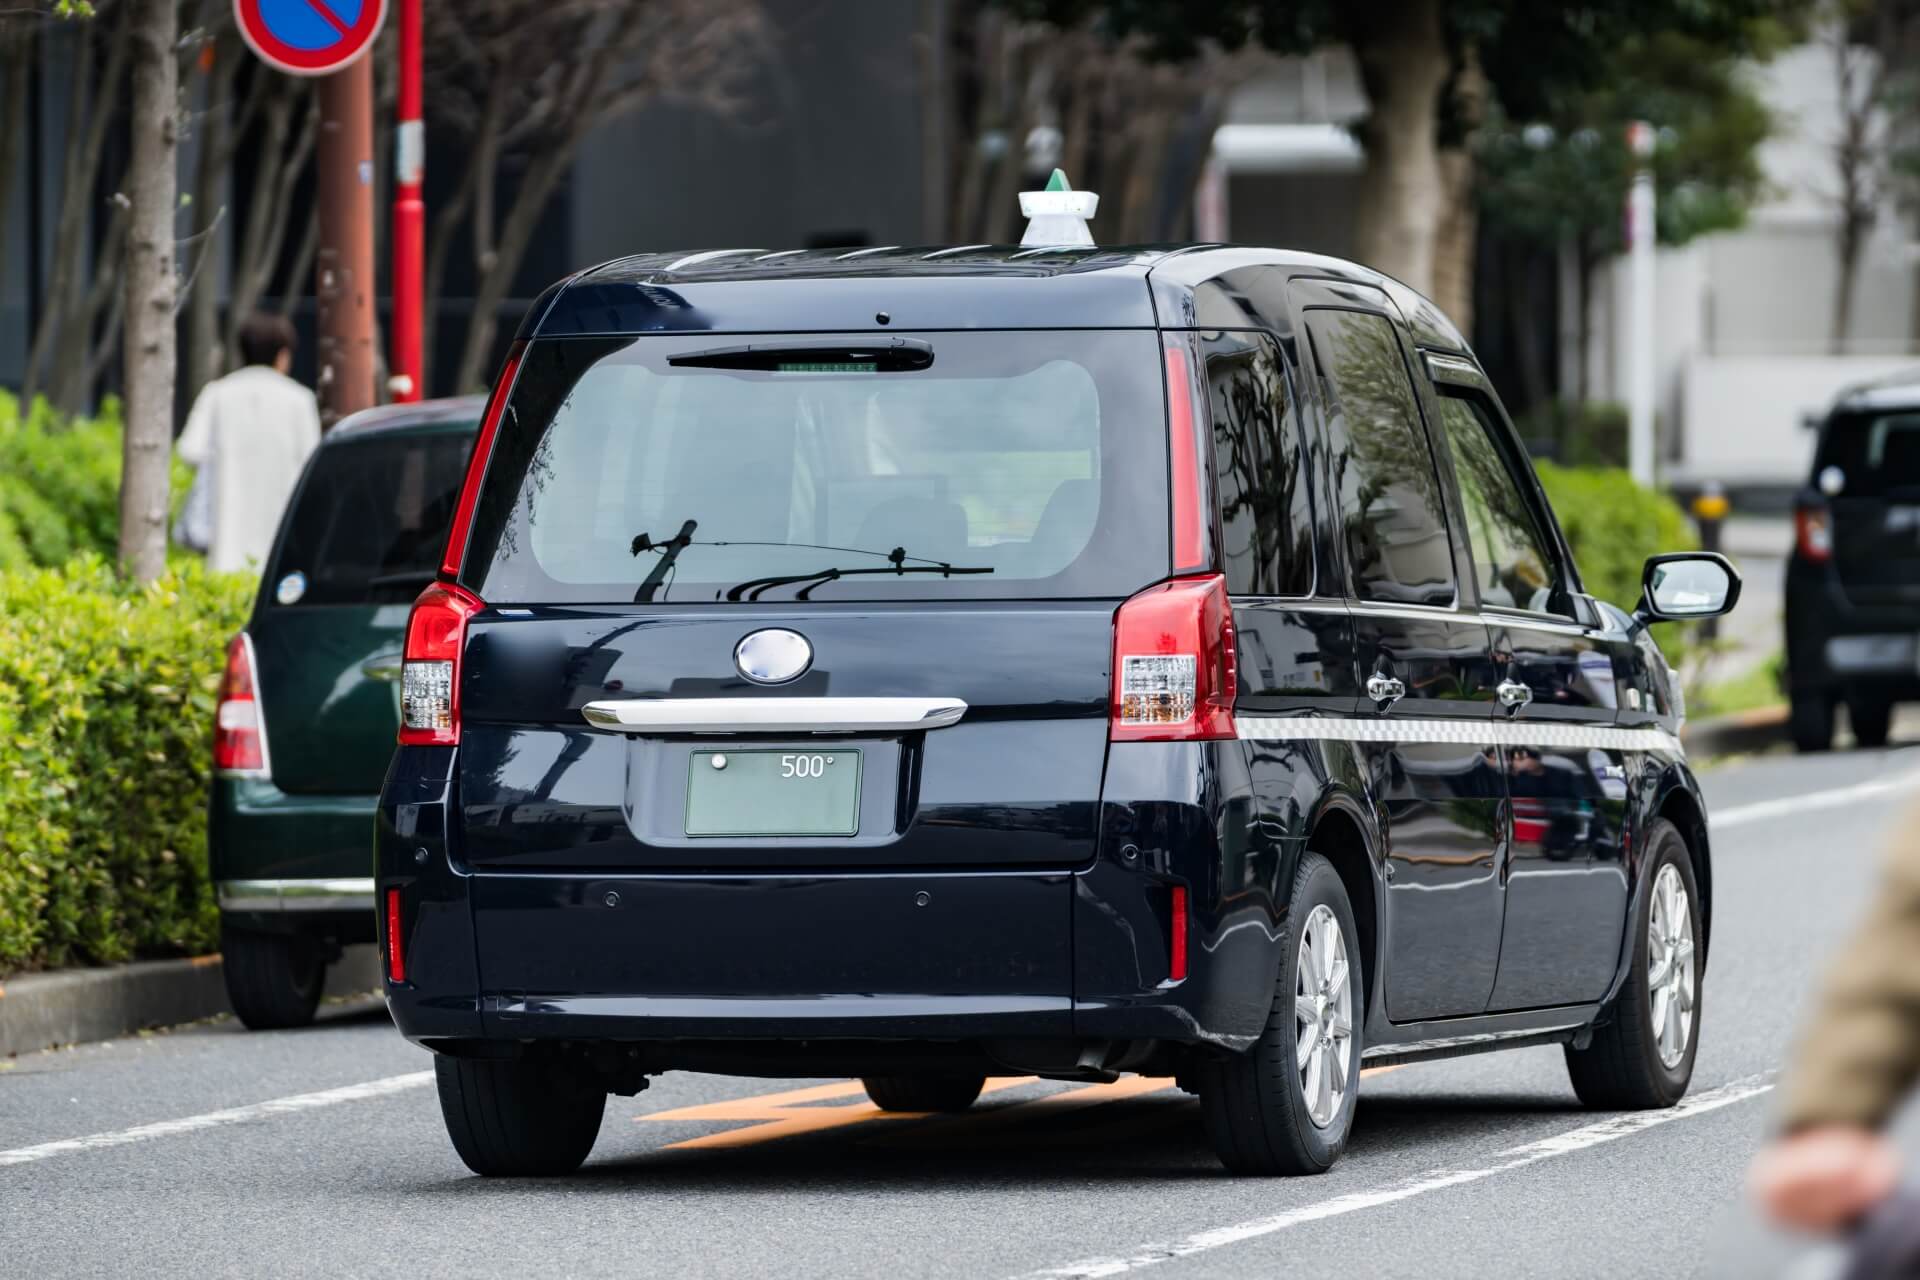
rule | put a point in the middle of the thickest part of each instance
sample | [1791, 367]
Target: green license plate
[773, 793]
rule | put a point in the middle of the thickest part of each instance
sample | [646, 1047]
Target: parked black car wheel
[516, 1118]
[273, 979]
[1286, 1105]
[1642, 1056]
[1810, 720]
[923, 1093]
[1871, 721]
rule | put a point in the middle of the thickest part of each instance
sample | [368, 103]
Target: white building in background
[1744, 318]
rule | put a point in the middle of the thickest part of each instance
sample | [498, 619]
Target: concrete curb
[73, 1006]
[1737, 734]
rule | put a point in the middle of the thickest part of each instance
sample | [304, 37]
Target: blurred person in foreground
[247, 438]
[1833, 1165]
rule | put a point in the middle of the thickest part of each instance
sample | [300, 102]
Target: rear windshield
[1877, 453]
[733, 469]
[370, 521]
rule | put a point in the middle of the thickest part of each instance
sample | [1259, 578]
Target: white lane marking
[215, 1119]
[1619, 1126]
[1785, 806]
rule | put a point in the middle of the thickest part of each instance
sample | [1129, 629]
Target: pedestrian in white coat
[247, 437]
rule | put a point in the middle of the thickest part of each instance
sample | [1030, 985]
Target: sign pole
[409, 215]
[344, 270]
[1640, 350]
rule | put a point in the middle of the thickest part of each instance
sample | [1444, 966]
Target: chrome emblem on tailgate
[773, 656]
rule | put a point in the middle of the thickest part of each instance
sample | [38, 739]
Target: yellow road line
[790, 1112]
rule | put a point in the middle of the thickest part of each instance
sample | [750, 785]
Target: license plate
[773, 793]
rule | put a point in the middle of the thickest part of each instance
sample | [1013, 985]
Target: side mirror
[1686, 585]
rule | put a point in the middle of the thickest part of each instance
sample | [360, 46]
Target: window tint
[1512, 558]
[1013, 465]
[1261, 483]
[372, 516]
[1389, 495]
[1878, 453]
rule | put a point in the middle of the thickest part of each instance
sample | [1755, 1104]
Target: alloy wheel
[1670, 969]
[1323, 1013]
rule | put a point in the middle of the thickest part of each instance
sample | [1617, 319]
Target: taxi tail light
[430, 666]
[396, 954]
[1177, 937]
[1174, 673]
[1813, 531]
[239, 733]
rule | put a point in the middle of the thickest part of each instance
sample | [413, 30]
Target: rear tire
[1871, 722]
[518, 1119]
[1628, 1066]
[1258, 1111]
[1810, 721]
[273, 979]
[923, 1093]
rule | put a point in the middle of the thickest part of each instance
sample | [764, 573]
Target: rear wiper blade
[753, 587]
[890, 355]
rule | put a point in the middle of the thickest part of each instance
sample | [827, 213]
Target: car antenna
[1057, 217]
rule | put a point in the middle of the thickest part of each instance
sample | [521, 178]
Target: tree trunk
[1853, 229]
[1456, 238]
[206, 352]
[149, 279]
[504, 262]
[1403, 64]
[1524, 322]
[16, 57]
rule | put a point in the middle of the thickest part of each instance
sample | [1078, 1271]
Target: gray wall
[830, 144]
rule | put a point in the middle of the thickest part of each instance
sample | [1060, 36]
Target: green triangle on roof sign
[1058, 215]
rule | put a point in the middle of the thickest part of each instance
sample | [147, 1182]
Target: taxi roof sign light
[1057, 217]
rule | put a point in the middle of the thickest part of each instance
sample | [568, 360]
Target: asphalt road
[211, 1151]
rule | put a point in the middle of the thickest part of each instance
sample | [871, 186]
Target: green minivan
[309, 705]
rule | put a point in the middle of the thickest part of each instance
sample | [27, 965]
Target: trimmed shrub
[106, 706]
[60, 484]
[1612, 525]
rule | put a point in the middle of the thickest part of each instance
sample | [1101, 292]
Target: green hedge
[106, 708]
[1613, 525]
[60, 484]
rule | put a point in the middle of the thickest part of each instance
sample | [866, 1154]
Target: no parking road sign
[309, 37]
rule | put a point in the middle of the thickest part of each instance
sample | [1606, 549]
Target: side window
[1383, 473]
[1513, 559]
[1261, 483]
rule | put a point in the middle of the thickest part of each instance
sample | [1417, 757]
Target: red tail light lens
[1174, 673]
[477, 466]
[430, 669]
[396, 955]
[239, 731]
[1189, 503]
[1813, 530]
[1177, 944]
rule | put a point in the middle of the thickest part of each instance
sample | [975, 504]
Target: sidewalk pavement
[73, 1006]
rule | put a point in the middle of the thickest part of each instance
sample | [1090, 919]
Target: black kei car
[1853, 578]
[927, 664]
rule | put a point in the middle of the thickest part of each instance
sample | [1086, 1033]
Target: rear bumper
[257, 832]
[1837, 646]
[341, 894]
[1075, 955]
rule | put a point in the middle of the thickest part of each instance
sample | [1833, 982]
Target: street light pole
[1640, 345]
[409, 214]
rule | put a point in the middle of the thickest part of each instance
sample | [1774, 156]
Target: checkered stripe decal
[1509, 733]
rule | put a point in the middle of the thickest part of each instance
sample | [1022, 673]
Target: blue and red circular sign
[309, 37]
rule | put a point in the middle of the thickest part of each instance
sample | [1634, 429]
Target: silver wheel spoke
[1305, 1008]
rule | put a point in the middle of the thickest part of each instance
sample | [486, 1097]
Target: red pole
[409, 213]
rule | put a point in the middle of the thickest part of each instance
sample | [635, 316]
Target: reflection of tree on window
[1509, 554]
[1382, 469]
[1264, 514]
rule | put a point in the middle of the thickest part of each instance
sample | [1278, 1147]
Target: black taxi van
[922, 664]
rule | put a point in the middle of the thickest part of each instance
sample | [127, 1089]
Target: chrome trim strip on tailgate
[344, 893]
[773, 715]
